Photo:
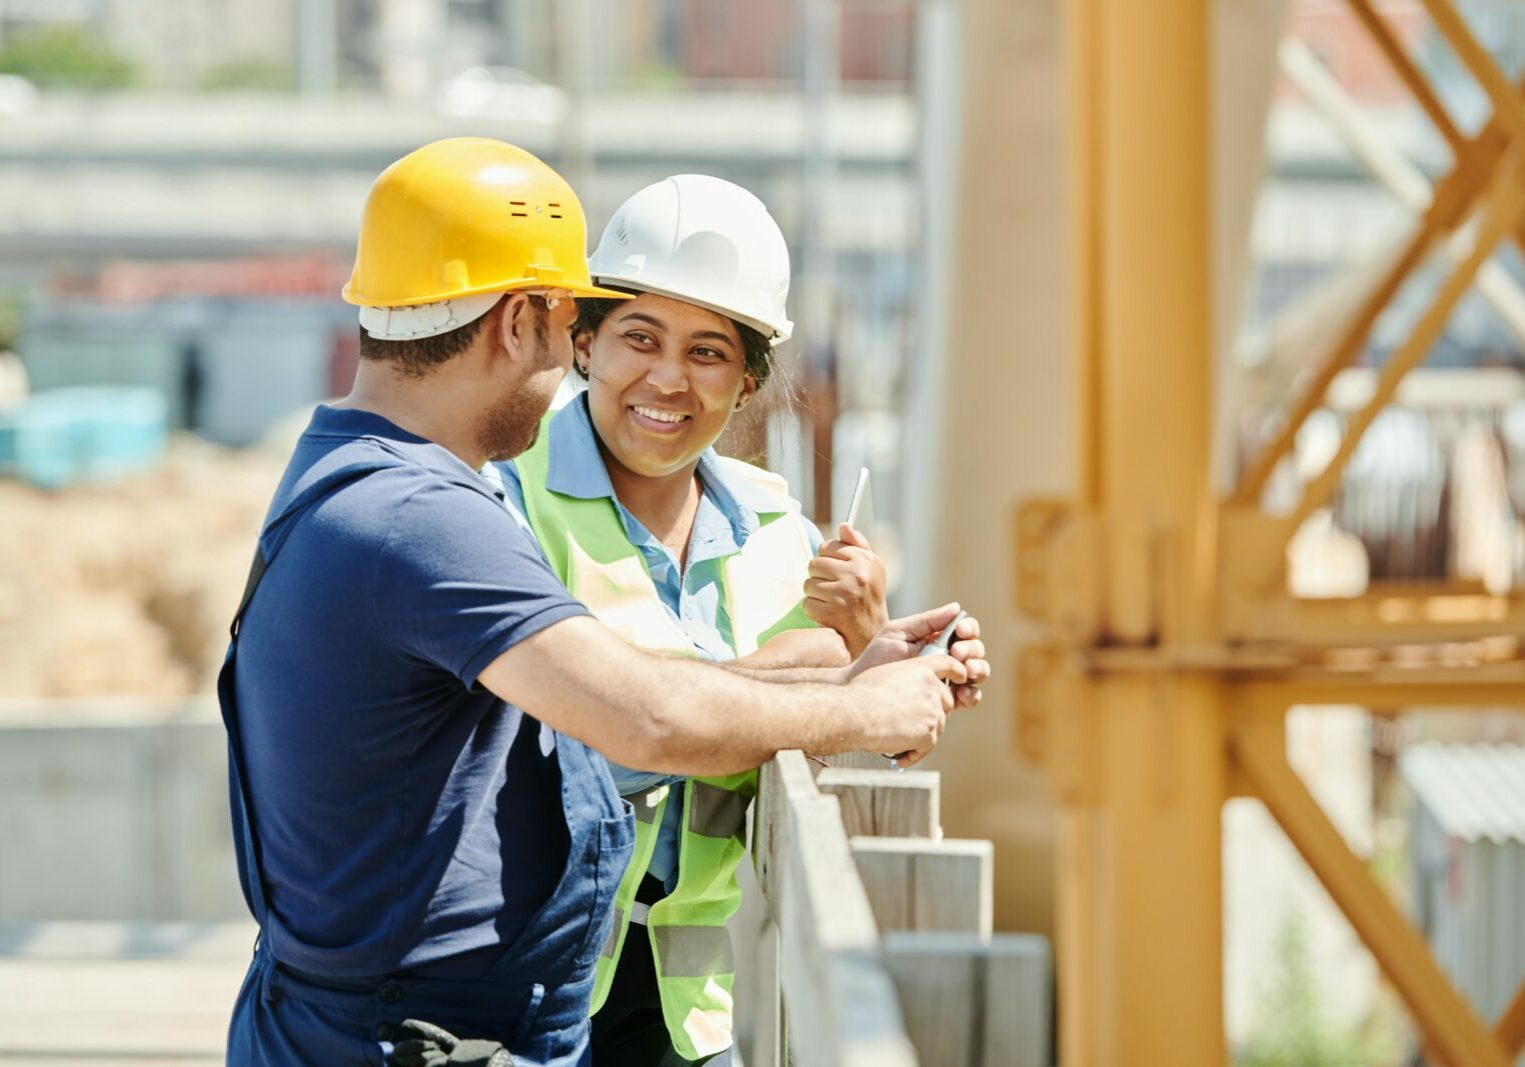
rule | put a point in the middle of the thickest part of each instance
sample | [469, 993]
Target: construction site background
[179, 189]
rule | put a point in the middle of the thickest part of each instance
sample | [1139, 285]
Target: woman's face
[664, 377]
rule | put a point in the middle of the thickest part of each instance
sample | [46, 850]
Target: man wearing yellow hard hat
[412, 696]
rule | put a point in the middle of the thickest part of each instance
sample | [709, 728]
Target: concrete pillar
[1003, 426]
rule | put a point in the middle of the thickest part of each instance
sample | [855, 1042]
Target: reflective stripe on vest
[715, 812]
[762, 589]
[692, 951]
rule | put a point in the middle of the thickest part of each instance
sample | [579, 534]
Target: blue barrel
[90, 434]
[7, 441]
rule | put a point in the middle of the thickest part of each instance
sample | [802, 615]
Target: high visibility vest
[761, 587]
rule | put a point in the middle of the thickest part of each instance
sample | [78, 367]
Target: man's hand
[903, 638]
[910, 702]
[845, 590]
[421, 1044]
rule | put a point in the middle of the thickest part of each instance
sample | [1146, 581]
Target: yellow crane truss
[1174, 649]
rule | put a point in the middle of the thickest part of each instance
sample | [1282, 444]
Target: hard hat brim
[776, 333]
[597, 291]
[349, 296]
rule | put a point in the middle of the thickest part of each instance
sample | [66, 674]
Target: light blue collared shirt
[727, 516]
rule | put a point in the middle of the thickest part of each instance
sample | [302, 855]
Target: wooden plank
[886, 871]
[971, 1001]
[916, 884]
[758, 1009]
[862, 761]
[1018, 1002]
[840, 1002]
[937, 996]
[885, 803]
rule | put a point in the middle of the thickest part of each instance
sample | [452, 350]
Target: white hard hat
[703, 240]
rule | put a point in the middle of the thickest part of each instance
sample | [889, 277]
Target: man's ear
[748, 391]
[516, 326]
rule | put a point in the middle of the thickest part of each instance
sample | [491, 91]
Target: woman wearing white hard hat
[679, 548]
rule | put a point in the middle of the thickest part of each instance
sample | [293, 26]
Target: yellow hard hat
[465, 217]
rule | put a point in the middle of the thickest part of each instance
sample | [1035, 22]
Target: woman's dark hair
[756, 349]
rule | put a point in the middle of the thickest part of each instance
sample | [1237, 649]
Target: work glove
[421, 1044]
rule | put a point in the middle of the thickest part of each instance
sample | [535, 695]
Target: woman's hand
[845, 590]
[904, 638]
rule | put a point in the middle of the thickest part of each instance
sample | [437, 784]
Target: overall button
[385, 1032]
[391, 993]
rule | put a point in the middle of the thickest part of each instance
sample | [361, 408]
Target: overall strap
[272, 537]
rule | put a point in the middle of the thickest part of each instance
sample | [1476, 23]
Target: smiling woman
[676, 547]
[664, 367]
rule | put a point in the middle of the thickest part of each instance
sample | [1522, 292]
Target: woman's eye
[709, 353]
[639, 338]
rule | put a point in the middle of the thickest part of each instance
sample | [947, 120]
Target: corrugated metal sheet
[1475, 792]
[1468, 856]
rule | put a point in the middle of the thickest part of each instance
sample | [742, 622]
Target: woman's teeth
[660, 416]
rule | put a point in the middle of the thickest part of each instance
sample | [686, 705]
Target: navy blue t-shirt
[405, 815]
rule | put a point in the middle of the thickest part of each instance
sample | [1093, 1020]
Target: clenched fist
[845, 590]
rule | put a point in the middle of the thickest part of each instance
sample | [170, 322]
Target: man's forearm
[674, 714]
[786, 672]
[729, 720]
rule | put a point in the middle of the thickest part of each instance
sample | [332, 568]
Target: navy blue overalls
[534, 999]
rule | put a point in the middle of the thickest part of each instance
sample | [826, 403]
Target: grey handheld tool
[944, 639]
[934, 648]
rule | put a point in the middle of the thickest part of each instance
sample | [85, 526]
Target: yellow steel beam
[1408, 71]
[1085, 163]
[1506, 103]
[1387, 41]
[1505, 198]
[1476, 160]
[1382, 618]
[1352, 339]
[1438, 688]
[1458, 1035]
[1141, 767]
[1447, 206]
[1510, 1029]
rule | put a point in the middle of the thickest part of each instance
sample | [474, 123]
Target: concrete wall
[115, 811]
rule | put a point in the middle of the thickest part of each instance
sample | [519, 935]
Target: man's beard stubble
[512, 425]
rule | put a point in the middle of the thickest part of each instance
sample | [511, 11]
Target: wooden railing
[865, 940]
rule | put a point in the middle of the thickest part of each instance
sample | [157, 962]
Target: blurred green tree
[1291, 1028]
[65, 57]
[250, 72]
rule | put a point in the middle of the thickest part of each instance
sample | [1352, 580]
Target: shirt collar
[577, 469]
[356, 423]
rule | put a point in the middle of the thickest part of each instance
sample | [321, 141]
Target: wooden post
[885, 803]
[916, 884]
[839, 1000]
[972, 1002]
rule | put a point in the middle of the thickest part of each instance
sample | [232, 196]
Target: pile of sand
[127, 590]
